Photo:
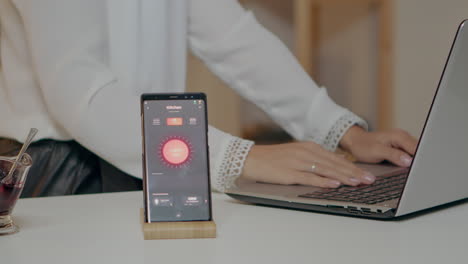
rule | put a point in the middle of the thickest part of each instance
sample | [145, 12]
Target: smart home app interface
[176, 160]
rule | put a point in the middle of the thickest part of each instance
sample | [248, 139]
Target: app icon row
[175, 121]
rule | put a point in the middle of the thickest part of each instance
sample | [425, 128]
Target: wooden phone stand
[175, 230]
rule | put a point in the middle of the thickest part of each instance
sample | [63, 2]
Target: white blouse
[75, 70]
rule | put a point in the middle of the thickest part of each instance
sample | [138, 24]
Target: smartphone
[176, 175]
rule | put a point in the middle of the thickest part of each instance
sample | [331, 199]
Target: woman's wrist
[349, 138]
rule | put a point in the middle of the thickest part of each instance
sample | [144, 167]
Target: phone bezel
[165, 97]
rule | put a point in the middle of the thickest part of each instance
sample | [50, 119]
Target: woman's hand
[305, 163]
[396, 146]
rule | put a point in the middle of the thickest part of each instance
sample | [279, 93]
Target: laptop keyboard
[383, 189]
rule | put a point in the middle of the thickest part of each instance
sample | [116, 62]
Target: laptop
[437, 176]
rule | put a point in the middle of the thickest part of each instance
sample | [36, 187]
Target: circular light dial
[175, 152]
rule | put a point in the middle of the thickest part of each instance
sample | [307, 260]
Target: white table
[105, 228]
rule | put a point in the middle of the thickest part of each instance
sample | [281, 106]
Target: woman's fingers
[333, 166]
[404, 141]
[305, 178]
[395, 156]
[323, 170]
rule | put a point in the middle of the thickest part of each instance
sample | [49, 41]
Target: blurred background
[382, 59]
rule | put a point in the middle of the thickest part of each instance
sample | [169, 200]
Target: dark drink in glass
[11, 185]
[9, 194]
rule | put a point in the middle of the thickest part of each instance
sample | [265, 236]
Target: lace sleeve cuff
[339, 129]
[232, 163]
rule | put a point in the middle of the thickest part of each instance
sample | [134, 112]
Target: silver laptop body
[437, 176]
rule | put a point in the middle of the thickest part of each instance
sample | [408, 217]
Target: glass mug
[10, 189]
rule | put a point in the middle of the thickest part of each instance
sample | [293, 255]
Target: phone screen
[176, 165]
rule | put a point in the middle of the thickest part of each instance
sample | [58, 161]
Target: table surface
[105, 228]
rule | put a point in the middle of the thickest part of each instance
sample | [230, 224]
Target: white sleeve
[227, 157]
[259, 66]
